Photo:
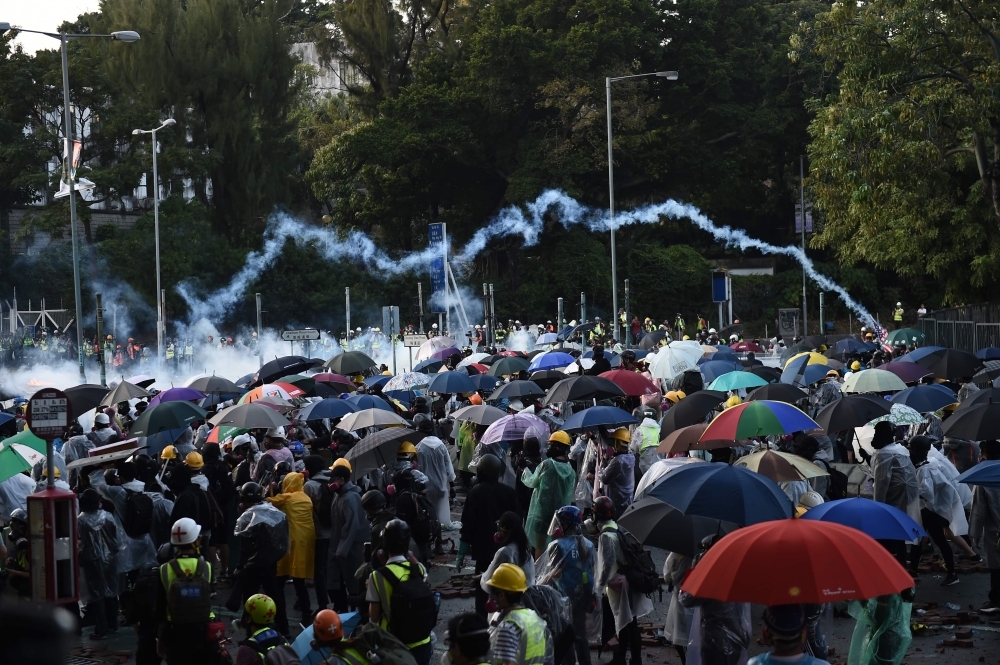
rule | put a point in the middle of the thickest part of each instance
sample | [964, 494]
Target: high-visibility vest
[170, 352]
[532, 629]
[384, 589]
[897, 314]
[188, 564]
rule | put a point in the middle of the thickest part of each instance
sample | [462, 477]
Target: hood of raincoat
[293, 482]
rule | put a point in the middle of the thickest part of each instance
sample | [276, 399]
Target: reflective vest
[532, 629]
[384, 590]
[189, 565]
[189, 350]
[650, 437]
[264, 640]
[349, 655]
[170, 352]
[897, 314]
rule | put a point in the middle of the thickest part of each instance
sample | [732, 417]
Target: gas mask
[491, 606]
[335, 486]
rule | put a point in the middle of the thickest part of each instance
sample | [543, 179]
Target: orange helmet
[475, 399]
[327, 626]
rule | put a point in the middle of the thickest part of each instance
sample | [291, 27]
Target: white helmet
[733, 338]
[712, 331]
[184, 532]
[811, 500]
[899, 304]
[434, 326]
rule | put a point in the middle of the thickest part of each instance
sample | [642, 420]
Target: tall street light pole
[64, 38]
[160, 334]
[670, 76]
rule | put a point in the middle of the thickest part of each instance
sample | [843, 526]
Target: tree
[22, 154]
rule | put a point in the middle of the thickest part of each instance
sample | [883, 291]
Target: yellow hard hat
[194, 460]
[676, 395]
[406, 448]
[262, 609]
[951, 407]
[45, 473]
[359, 378]
[508, 577]
[560, 436]
[343, 462]
[685, 338]
[833, 372]
[168, 452]
[621, 434]
[734, 400]
[822, 348]
[855, 366]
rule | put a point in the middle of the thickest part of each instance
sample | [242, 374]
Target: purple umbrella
[444, 354]
[907, 371]
[177, 395]
[512, 428]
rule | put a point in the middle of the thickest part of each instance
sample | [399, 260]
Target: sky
[42, 15]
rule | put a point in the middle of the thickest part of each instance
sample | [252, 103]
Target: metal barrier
[964, 335]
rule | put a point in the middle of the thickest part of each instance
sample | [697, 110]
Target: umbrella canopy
[407, 381]
[737, 380]
[215, 384]
[141, 380]
[979, 397]
[481, 414]
[331, 407]
[283, 366]
[780, 467]
[986, 473]
[85, 397]
[404, 398]
[166, 416]
[803, 375]
[484, 382]
[474, 358]
[282, 390]
[370, 418]
[675, 358]
[429, 366]
[177, 395]
[848, 346]
[724, 353]
[878, 520]
[951, 364]
[659, 469]
[249, 416]
[17, 458]
[778, 392]
[851, 411]
[681, 440]
[305, 383]
[690, 411]
[433, 345]
[758, 418]
[336, 381]
[377, 381]
[807, 561]
[444, 354]
[873, 381]
[769, 374]
[509, 365]
[548, 378]
[451, 382]
[361, 402]
[547, 338]
[975, 423]
[632, 383]
[989, 353]
[123, 392]
[908, 372]
[550, 360]
[988, 373]
[713, 369]
[657, 524]
[924, 399]
[723, 492]
[651, 340]
[610, 417]
[351, 362]
[379, 448]
[279, 404]
[26, 438]
[812, 358]
[924, 351]
[905, 337]
[513, 427]
[900, 414]
[517, 389]
[743, 347]
[582, 388]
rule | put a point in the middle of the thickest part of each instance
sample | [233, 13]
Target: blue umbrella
[303, 643]
[808, 376]
[922, 352]
[331, 407]
[362, 402]
[377, 380]
[713, 369]
[640, 353]
[723, 492]
[850, 345]
[451, 382]
[610, 417]
[550, 360]
[989, 353]
[878, 520]
[985, 473]
[428, 366]
[925, 398]
[485, 381]
[724, 353]
[547, 338]
[5, 417]
[613, 358]
[404, 397]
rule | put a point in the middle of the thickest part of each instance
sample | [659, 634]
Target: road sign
[49, 413]
[719, 290]
[390, 320]
[436, 235]
[798, 218]
[414, 340]
[299, 335]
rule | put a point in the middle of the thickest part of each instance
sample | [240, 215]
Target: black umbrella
[547, 378]
[351, 362]
[517, 389]
[988, 396]
[244, 381]
[216, 384]
[852, 411]
[85, 397]
[769, 374]
[569, 332]
[650, 340]
[779, 392]
[975, 423]
[814, 341]
[690, 411]
[797, 349]
[282, 366]
[582, 388]
[379, 448]
[168, 416]
[248, 416]
[988, 374]
[951, 363]
[123, 392]
[658, 524]
[485, 381]
[509, 365]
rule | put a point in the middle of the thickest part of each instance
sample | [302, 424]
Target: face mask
[557, 532]
[335, 486]
[491, 606]
[497, 537]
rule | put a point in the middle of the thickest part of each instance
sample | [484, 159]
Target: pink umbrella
[512, 428]
[746, 346]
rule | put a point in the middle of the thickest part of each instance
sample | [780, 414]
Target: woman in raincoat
[882, 634]
[553, 481]
[940, 504]
[299, 562]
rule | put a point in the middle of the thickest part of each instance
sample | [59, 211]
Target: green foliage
[21, 155]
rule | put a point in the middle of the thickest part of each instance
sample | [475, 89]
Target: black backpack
[416, 512]
[189, 598]
[138, 517]
[639, 569]
[282, 655]
[837, 486]
[325, 504]
[412, 607]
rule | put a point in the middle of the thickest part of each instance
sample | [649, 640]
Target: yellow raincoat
[300, 559]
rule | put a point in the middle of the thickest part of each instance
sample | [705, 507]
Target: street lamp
[670, 76]
[121, 36]
[169, 122]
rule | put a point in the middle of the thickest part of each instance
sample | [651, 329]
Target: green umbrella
[166, 416]
[873, 381]
[906, 337]
[509, 365]
[26, 438]
[350, 362]
[736, 380]
[15, 458]
[306, 383]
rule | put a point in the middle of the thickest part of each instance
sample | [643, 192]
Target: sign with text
[414, 340]
[300, 335]
[437, 235]
[798, 218]
[48, 413]
[788, 323]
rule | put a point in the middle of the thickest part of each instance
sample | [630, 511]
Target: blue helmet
[569, 515]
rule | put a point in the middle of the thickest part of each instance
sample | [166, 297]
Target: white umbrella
[660, 469]
[370, 418]
[547, 338]
[575, 369]
[676, 358]
[433, 345]
[474, 358]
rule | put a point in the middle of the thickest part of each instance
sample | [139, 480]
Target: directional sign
[299, 335]
[49, 413]
[414, 340]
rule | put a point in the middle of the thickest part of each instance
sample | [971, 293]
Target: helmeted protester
[519, 636]
[183, 600]
[514, 548]
[435, 463]
[259, 613]
[553, 483]
[263, 533]
[348, 531]
[299, 562]
[895, 479]
[785, 632]
[645, 439]
[618, 477]
[317, 488]
[99, 543]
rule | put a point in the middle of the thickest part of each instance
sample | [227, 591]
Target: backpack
[412, 607]
[143, 598]
[639, 569]
[138, 517]
[380, 646]
[837, 487]
[189, 598]
[417, 515]
[325, 504]
[282, 655]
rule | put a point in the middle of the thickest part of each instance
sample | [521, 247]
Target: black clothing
[486, 502]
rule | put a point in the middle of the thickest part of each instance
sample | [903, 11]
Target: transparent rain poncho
[499, 450]
[720, 632]
[267, 527]
[882, 634]
[553, 482]
[100, 543]
[435, 462]
[576, 581]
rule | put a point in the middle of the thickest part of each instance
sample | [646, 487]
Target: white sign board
[299, 335]
[414, 340]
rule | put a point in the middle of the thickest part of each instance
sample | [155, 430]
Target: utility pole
[802, 197]
[559, 317]
[347, 298]
[100, 343]
[583, 307]
[626, 330]
[420, 297]
[260, 340]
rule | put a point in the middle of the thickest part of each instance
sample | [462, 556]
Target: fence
[964, 334]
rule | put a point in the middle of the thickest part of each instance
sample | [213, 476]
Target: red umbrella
[633, 383]
[512, 353]
[483, 369]
[332, 379]
[908, 371]
[746, 346]
[796, 561]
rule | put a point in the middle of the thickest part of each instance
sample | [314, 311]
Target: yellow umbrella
[780, 467]
[814, 358]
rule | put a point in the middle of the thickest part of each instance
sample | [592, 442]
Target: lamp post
[121, 36]
[169, 122]
[670, 76]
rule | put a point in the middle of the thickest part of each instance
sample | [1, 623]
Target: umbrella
[579, 367]
[690, 411]
[283, 366]
[986, 473]
[166, 416]
[362, 402]
[351, 362]
[141, 380]
[659, 469]
[407, 381]
[723, 492]
[924, 399]
[778, 392]
[509, 365]
[215, 384]
[657, 524]
[379, 448]
[335, 380]
[905, 337]
[484, 382]
[433, 345]
[632, 383]
[85, 397]
[570, 332]
[780, 467]
[736, 380]
[279, 404]
[812, 358]
[746, 346]
[610, 417]
[878, 520]
[444, 354]
[305, 383]
[951, 364]
[547, 338]
[282, 390]
[429, 366]
[377, 381]
[26, 438]
[330, 407]
[512, 354]
[651, 340]
[681, 440]
[547, 378]
[975, 423]
[517, 389]
[249, 416]
[873, 381]
[675, 358]
[550, 360]
[924, 351]
[725, 353]
[979, 397]
[481, 414]
[713, 369]
[579, 388]
[244, 381]
[474, 358]
[807, 561]
[451, 382]
[987, 374]
[989, 353]
[16, 458]
[370, 418]
[123, 392]
[908, 372]
[851, 411]
[769, 374]
[758, 418]
[177, 395]
[848, 346]
[513, 427]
